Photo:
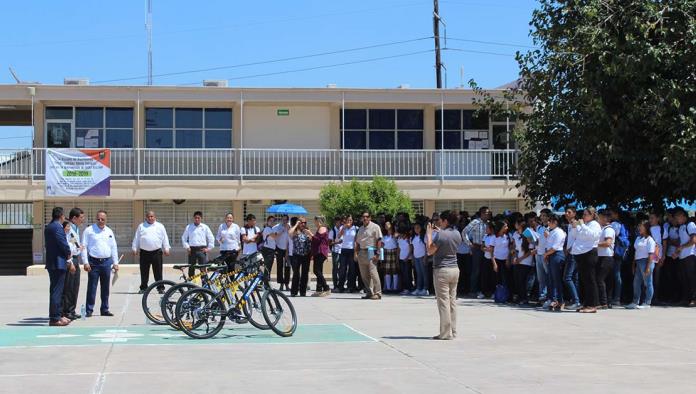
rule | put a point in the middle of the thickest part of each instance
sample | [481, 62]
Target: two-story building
[176, 150]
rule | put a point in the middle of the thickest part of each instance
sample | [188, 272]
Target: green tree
[377, 196]
[610, 97]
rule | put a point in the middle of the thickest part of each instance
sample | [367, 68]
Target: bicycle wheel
[151, 301]
[200, 313]
[252, 310]
[279, 313]
[168, 304]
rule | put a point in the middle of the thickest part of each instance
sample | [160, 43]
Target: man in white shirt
[542, 271]
[99, 255]
[198, 240]
[605, 264]
[250, 236]
[268, 245]
[283, 244]
[335, 241]
[150, 242]
[72, 280]
[686, 253]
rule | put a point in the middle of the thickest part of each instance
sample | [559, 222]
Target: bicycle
[207, 310]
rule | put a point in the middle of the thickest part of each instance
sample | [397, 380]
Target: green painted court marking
[164, 335]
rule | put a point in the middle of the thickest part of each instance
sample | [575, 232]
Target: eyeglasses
[303, 222]
[101, 220]
[366, 216]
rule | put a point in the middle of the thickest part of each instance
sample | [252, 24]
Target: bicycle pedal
[241, 320]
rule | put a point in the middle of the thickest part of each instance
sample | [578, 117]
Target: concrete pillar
[428, 207]
[238, 211]
[38, 224]
[429, 127]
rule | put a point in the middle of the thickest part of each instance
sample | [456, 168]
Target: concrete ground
[345, 344]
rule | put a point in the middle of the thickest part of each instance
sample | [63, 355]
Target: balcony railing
[282, 163]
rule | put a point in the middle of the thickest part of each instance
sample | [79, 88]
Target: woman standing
[404, 242]
[656, 234]
[522, 263]
[228, 235]
[584, 250]
[501, 251]
[347, 261]
[320, 252]
[391, 259]
[555, 258]
[643, 264]
[301, 249]
[605, 262]
[419, 252]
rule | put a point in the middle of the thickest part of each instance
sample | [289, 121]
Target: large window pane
[382, 119]
[221, 139]
[89, 117]
[189, 118]
[217, 118]
[119, 139]
[159, 117]
[453, 140]
[355, 119]
[189, 138]
[58, 135]
[410, 140]
[479, 121]
[382, 140]
[159, 139]
[119, 117]
[452, 119]
[88, 138]
[59, 113]
[409, 119]
[355, 139]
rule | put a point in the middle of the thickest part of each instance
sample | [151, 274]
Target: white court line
[360, 332]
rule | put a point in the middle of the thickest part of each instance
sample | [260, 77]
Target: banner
[78, 172]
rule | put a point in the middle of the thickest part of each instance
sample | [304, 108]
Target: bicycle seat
[181, 266]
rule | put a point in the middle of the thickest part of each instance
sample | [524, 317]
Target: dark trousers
[335, 262]
[347, 270]
[687, 278]
[300, 275]
[147, 259]
[197, 256]
[488, 277]
[406, 277]
[282, 268]
[669, 277]
[520, 273]
[587, 267]
[99, 274]
[319, 260]
[501, 277]
[268, 257]
[71, 289]
[477, 261]
[464, 263]
[230, 257]
[55, 290]
[605, 278]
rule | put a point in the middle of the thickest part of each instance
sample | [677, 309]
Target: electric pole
[436, 33]
[148, 28]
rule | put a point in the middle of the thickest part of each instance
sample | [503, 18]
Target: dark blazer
[57, 248]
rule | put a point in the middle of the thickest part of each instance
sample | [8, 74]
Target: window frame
[396, 131]
[203, 129]
[103, 130]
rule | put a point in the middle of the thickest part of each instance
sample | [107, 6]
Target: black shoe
[74, 316]
[89, 314]
[161, 291]
[107, 313]
[366, 297]
[141, 291]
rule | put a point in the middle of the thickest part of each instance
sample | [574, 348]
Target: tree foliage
[378, 196]
[610, 98]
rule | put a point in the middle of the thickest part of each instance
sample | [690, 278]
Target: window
[188, 128]
[383, 129]
[463, 129]
[89, 127]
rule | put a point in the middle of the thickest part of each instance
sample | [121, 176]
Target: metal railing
[282, 163]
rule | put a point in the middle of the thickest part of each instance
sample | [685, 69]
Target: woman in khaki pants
[442, 244]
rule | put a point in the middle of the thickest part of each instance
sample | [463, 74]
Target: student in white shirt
[150, 242]
[198, 240]
[584, 249]
[335, 243]
[404, 244]
[522, 263]
[229, 237]
[686, 253]
[268, 244]
[347, 270]
[419, 252]
[605, 263]
[656, 233]
[570, 271]
[542, 272]
[283, 246]
[391, 259]
[100, 256]
[555, 258]
[643, 264]
[489, 268]
[501, 252]
[251, 236]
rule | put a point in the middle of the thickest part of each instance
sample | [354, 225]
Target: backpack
[501, 295]
[621, 243]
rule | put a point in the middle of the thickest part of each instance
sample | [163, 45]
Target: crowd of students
[581, 260]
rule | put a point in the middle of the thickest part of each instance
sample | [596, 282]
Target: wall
[305, 127]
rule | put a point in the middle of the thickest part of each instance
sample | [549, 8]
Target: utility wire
[504, 44]
[269, 61]
[322, 66]
[478, 52]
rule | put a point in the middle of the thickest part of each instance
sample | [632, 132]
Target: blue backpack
[501, 295]
[621, 244]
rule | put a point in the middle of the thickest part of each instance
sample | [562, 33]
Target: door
[59, 133]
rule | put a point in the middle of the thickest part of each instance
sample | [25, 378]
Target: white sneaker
[632, 306]
[644, 306]
[480, 296]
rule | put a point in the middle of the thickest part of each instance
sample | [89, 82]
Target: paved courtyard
[344, 344]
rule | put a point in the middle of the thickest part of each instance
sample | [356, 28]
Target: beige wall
[306, 127]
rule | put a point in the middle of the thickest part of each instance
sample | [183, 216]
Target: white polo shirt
[587, 237]
[644, 246]
[608, 251]
[501, 247]
[99, 243]
[686, 231]
[556, 240]
[150, 237]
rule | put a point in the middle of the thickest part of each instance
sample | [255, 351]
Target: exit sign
[283, 112]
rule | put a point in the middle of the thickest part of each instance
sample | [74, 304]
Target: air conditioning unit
[331, 86]
[76, 81]
[404, 86]
[215, 83]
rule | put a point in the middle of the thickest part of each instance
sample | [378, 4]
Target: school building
[222, 149]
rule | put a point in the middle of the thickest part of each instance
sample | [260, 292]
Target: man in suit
[57, 256]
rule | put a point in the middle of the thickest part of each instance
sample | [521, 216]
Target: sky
[46, 41]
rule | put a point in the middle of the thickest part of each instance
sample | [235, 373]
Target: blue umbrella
[287, 209]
